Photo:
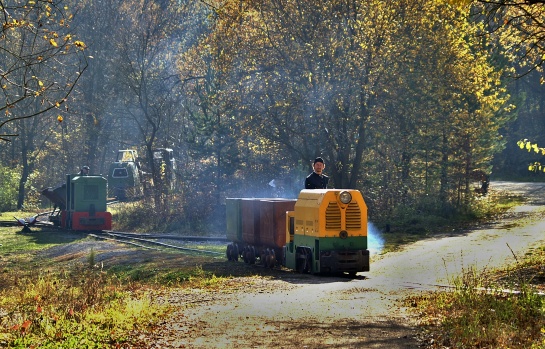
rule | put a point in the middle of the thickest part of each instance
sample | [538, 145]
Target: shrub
[9, 182]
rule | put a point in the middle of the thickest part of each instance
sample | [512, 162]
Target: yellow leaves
[458, 3]
[536, 167]
[535, 148]
[14, 23]
[80, 44]
[60, 118]
[53, 43]
[529, 146]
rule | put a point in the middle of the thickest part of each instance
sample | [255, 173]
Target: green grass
[13, 240]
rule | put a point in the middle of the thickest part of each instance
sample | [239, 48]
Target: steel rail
[123, 237]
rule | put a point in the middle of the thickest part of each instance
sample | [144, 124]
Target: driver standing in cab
[317, 180]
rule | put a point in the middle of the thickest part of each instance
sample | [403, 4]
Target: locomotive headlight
[345, 197]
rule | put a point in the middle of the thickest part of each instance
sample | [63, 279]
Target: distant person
[317, 180]
[84, 171]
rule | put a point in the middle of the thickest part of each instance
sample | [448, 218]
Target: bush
[140, 216]
[9, 183]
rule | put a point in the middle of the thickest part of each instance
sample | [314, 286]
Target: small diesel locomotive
[324, 231]
[80, 203]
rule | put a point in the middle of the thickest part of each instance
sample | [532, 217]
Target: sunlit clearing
[375, 242]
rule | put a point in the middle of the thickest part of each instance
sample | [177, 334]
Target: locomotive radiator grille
[333, 216]
[353, 216]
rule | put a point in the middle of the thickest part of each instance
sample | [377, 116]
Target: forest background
[405, 100]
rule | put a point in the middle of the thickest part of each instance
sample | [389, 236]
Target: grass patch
[81, 306]
[487, 310]
[13, 240]
[152, 274]
[51, 302]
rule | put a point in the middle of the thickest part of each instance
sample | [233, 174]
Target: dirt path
[294, 311]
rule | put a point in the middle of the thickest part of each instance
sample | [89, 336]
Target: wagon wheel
[245, 254]
[235, 253]
[304, 260]
[232, 252]
[249, 255]
[251, 258]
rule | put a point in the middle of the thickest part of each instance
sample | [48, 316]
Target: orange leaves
[26, 325]
[22, 327]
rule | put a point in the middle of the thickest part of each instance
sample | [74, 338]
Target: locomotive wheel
[263, 257]
[304, 261]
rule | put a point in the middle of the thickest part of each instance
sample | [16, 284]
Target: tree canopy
[381, 90]
[42, 59]
[403, 99]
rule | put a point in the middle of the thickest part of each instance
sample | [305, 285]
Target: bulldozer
[128, 177]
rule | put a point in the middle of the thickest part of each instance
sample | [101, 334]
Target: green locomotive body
[81, 203]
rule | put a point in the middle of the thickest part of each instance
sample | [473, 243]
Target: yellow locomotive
[323, 231]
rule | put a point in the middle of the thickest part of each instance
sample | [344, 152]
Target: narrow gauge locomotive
[323, 231]
[80, 203]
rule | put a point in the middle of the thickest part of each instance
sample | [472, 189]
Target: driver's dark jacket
[315, 181]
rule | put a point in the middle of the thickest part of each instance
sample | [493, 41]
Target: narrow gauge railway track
[147, 241]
